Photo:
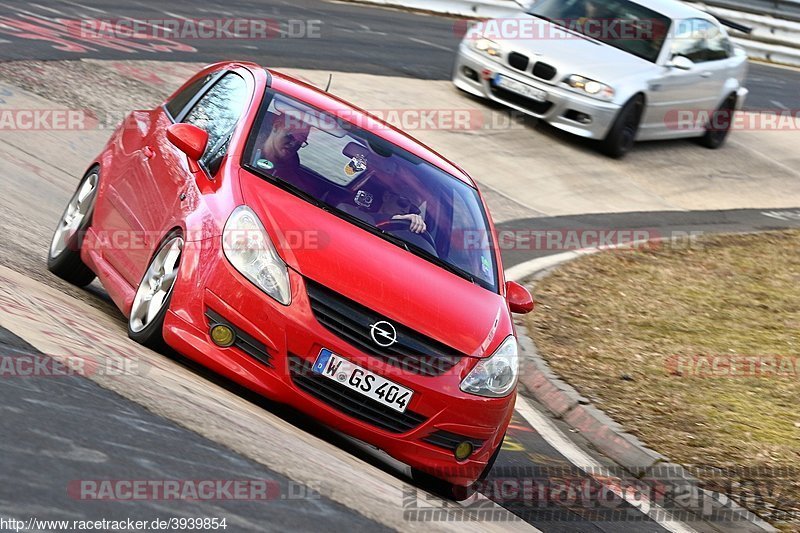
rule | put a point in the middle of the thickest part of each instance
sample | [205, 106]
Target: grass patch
[623, 327]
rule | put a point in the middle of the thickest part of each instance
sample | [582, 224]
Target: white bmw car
[617, 71]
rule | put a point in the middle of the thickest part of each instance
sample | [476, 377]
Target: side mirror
[518, 297]
[681, 63]
[190, 140]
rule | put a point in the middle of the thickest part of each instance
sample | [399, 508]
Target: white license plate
[363, 381]
[520, 88]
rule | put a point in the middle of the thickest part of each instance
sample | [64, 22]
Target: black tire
[622, 135]
[448, 490]
[491, 462]
[64, 257]
[151, 334]
[439, 487]
[721, 120]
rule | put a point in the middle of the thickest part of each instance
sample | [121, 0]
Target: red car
[312, 253]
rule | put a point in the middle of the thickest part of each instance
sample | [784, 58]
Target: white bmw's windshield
[619, 23]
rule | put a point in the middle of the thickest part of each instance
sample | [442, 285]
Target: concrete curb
[606, 435]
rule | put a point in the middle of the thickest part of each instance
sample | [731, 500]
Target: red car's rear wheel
[64, 255]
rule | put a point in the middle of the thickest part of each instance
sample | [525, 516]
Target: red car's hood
[378, 274]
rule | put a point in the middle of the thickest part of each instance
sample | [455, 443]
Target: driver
[377, 204]
[278, 154]
[397, 202]
[399, 207]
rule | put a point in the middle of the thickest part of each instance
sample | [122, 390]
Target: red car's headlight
[496, 376]
[250, 250]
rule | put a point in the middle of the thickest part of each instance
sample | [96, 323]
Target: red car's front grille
[352, 322]
[349, 402]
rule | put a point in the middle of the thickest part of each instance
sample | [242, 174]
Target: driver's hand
[417, 222]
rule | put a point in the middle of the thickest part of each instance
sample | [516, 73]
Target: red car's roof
[341, 108]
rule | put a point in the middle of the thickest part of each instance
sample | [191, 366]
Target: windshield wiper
[438, 261]
[385, 235]
[397, 241]
[407, 246]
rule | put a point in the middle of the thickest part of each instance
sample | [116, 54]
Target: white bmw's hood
[569, 53]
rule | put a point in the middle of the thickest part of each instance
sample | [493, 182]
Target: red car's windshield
[374, 184]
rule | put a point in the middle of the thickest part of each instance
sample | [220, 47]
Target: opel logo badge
[383, 333]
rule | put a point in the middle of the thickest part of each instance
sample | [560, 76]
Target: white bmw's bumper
[563, 108]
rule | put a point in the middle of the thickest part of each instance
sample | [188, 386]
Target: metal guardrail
[769, 38]
[782, 9]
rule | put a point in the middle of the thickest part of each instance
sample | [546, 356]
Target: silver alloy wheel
[74, 215]
[156, 286]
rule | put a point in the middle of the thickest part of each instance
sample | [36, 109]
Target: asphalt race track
[353, 38]
[57, 430]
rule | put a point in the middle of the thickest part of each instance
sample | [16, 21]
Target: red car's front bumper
[209, 285]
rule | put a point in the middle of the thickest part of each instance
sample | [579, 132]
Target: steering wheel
[405, 225]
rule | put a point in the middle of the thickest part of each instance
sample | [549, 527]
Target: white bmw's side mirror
[681, 63]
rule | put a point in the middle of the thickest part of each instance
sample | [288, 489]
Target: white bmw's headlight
[592, 88]
[496, 376]
[488, 47]
[249, 249]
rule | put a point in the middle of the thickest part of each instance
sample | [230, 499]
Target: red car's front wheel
[152, 297]
[449, 490]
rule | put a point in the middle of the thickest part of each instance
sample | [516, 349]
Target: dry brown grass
[610, 323]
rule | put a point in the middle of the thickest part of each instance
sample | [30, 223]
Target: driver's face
[286, 139]
[397, 204]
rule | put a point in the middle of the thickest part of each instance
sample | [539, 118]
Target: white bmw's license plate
[363, 381]
[520, 88]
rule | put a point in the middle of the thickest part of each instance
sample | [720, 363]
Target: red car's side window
[217, 112]
[182, 99]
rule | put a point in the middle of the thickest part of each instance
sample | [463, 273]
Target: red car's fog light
[463, 450]
[222, 335]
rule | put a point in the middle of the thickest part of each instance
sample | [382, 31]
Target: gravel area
[117, 87]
